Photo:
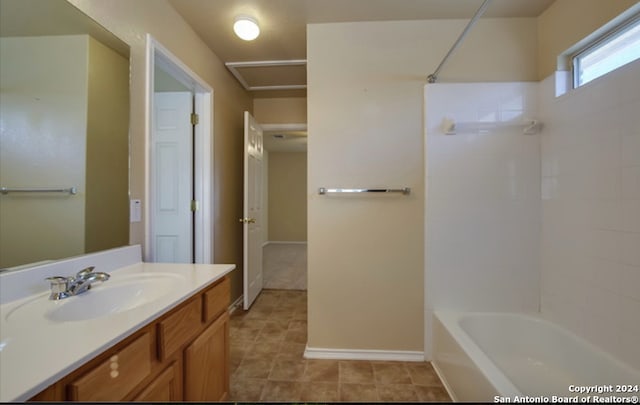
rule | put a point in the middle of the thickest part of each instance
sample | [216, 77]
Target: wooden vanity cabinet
[181, 356]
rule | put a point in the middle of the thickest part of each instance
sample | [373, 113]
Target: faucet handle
[57, 282]
[85, 272]
[58, 287]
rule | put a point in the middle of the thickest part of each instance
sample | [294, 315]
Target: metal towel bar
[70, 190]
[323, 190]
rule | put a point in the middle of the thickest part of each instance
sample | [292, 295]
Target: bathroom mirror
[64, 134]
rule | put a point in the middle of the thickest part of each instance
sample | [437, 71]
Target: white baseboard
[346, 354]
[236, 304]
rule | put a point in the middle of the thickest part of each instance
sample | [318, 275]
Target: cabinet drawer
[179, 328]
[216, 300]
[117, 376]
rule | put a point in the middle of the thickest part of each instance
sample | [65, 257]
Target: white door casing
[172, 175]
[158, 56]
[252, 210]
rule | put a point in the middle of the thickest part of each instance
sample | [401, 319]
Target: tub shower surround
[590, 253]
[545, 223]
[483, 198]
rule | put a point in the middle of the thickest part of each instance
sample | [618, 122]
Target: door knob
[248, 220]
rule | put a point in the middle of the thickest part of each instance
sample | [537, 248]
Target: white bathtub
[508, 357]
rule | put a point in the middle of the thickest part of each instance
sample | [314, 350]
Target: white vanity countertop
[35, 352]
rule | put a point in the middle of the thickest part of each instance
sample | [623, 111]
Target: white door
[252, 220]
[171, 174]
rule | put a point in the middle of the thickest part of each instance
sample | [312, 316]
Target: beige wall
[42, 144]
[286, 110]
[287, 196]
[566, 22]
[107, 165]
[131, 21]
[365, 105]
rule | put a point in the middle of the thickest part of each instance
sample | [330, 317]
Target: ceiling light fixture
[246, 28]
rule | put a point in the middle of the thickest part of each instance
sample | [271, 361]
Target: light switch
[135, 209]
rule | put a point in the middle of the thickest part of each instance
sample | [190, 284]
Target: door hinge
[194, 206]
[195, 119]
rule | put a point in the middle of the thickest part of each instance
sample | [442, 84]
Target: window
[618, 48]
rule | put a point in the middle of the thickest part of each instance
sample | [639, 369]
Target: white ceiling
[283, 30]
[283, 22]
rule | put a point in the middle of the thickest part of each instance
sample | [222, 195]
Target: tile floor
[267, 364]
[284, 266]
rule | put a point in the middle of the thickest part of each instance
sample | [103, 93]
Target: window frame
[599, 42]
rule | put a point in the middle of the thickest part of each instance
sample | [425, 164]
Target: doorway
[285, 250]
[178, 214]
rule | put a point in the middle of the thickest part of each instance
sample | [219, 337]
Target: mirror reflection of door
[172, 170]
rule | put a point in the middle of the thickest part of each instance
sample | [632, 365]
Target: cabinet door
[167, 387]
[207, 363]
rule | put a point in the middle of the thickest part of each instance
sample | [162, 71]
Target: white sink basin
[118, 294]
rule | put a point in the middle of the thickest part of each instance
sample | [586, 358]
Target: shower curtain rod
[433, 77]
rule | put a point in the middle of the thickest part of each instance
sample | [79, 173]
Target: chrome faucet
[63, 287]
